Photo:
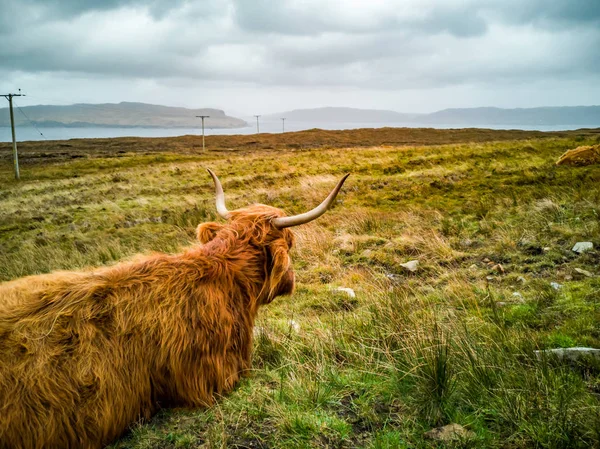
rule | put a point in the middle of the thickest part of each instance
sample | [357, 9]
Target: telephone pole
[282, 124]
[9, 97]
[257, 129]
[203, 117]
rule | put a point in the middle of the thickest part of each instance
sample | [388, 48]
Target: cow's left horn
[286, 222]
[220, 196]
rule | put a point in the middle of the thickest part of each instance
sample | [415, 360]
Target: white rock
[555, 285]
[521, 279]
[518, 297]
[411, 265]
[581, 247]
[584, 272]
[346, 290]
[294, 326]
[571, 354]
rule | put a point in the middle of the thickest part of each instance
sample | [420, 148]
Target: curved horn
[220, 196]
[286, 222]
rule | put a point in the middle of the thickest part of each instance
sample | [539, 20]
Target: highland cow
[83, 355]
[580, 156]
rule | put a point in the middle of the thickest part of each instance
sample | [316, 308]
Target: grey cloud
[380, 46]
[268, 16]
[461, 18]
[65, 9]
[558, 13]
[460, 22]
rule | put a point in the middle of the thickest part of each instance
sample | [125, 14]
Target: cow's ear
[207, 231]
[279, 261]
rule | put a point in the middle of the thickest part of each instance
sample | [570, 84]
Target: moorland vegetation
[488, 215]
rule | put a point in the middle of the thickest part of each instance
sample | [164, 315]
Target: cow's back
[69, 376]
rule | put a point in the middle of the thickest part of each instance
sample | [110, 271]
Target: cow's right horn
[220, 196]
[295, 220]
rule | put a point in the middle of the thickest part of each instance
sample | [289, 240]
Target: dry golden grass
[448, 343]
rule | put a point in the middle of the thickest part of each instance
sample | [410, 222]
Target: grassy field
[452, 342]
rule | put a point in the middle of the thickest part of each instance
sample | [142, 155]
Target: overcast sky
[263, 56]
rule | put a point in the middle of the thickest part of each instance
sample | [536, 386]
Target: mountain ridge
[123, 114]
[487, 115]
[136, 114]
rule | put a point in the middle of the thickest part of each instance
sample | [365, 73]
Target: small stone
[584, 272]
[367, 253]
[517, 295]
[581, 247]
[546, 249]
[555, 285]
[451, 432]
[294, 326]
[521, 279]
[473, 267]
[571, 354]
[486, 260]
[489, 278]
[411, 265]
[499, 268]
[347, 291]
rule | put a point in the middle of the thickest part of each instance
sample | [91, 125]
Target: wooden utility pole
[9, 97]
[282, 124]
[257, 130]
[203, 117]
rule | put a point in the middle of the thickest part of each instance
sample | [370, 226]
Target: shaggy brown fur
[581, 156]
[83, 355]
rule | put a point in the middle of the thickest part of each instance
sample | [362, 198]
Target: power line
[9, 97]
[257, 129]
[203, 117]
[32, 124]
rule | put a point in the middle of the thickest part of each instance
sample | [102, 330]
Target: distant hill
[345, 115]
[584, 116]
[120, 115]
[565, 115]
[148, 115]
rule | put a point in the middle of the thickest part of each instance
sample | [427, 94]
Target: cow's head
[265, 228]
